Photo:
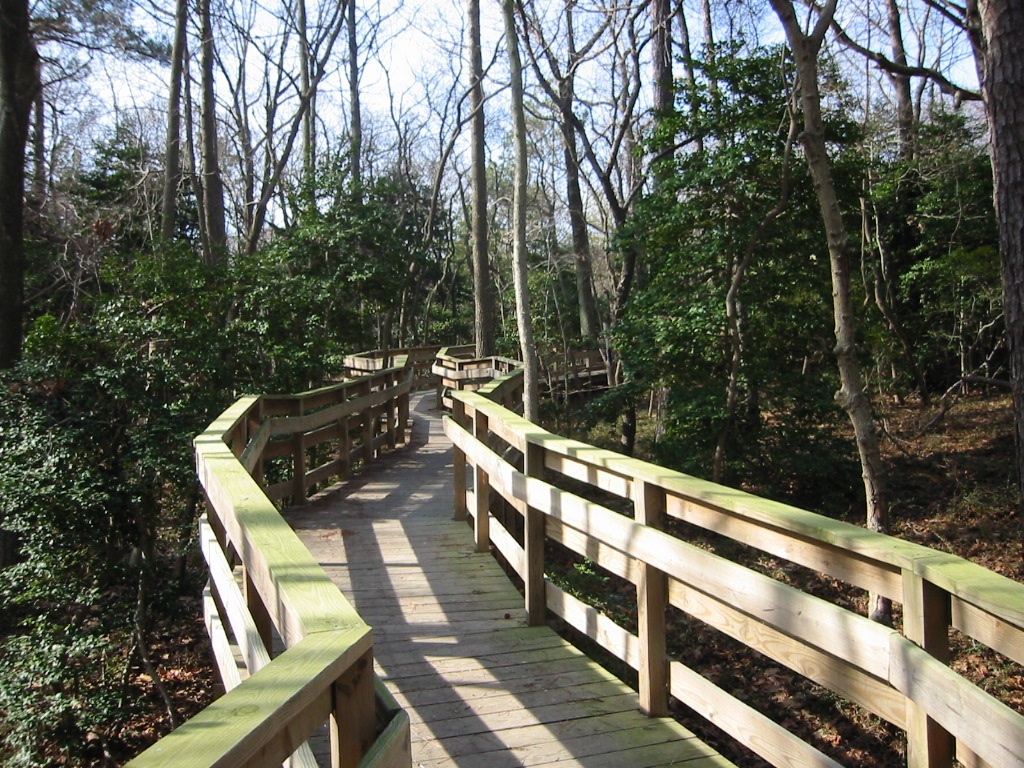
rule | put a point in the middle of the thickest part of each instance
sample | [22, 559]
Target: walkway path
[450, 640]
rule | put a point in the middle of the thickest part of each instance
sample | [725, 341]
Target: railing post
[255, 421]
[652, 604]
[391, 413]
[459, 462]
[366, 420]
[298, 459]
[533, 541]
[926, 618]
[239, 438]
[481, 490]
[259, 612]
[403, 416]
[345, 446]
[438, 383]
[369, 419]
[353, 722]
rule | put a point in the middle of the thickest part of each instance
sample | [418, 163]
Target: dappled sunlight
[450, 636]
[482, 687]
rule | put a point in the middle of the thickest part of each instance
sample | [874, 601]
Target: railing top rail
[458, 352]
[427, 349]
[902, 676]
[266, 717]
[238, 728]
[283, 570]
[968, 581]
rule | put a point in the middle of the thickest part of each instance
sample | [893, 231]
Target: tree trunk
[851, 396]
[998, 33]
[39, 184]
[590, 324]
[661, 58]
[356, 124]
[172, 152]
[901, 83]
[524, 319]
[709, 41]
[590, 327]
[214, 216]
[689, 72]
[483, 318]
[19, 84]
[309, 116]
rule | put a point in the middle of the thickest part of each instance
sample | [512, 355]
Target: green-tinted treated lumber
[242, 727]
[292, 584]
[972, 583]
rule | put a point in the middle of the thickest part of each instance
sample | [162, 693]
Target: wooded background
[768, 215]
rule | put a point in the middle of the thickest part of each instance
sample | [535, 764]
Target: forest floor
[952, 489]
[181, 653]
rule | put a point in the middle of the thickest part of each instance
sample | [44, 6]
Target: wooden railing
[457, 368]
[421, 359]
[902, 677]
[574, 371]
[325, 674]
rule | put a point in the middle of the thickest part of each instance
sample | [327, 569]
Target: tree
[172, 153]
[524, 318]
[356, 115]
[852, 396]
[19, 84]
[215, 235]
[731, 322]
[997, 32]
[901, 81]
[483, 324]
[561, 89]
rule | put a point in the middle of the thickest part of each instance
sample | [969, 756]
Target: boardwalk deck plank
[450, 637]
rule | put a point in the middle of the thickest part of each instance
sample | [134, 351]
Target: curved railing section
[259, 451]
[421, 359]
[503, 461]
[457, 369]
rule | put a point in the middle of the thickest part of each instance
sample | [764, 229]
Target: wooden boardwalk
[450, 639]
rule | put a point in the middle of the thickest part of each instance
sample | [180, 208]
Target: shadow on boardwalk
[450, 639]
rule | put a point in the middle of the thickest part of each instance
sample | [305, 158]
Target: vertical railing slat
[652, 604]
[533, 541]
[926, 618]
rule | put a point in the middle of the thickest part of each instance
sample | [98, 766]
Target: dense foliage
[747, 391]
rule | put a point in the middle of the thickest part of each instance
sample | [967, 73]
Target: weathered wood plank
[571, 741]
[229, 594]
[223, 652]
[766, 738]
[236, 729]
[450, 640]
[987, 727]
[873, 694]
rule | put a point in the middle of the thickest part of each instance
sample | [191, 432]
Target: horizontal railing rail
[325, 672]
[902, 677]
[421, 359]
[458, 369]
[574, 371]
